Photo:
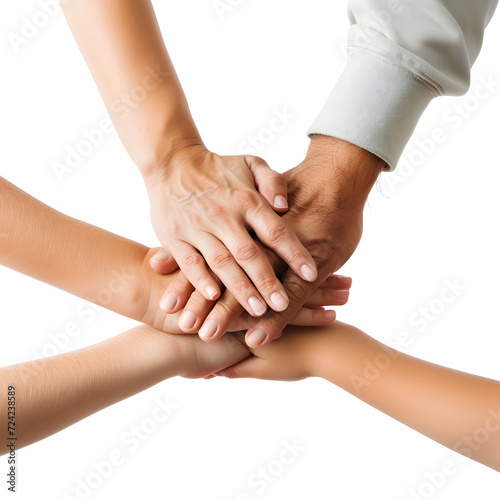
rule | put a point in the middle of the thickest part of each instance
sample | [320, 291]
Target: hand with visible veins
[202, 208]
[327, 193]
[203, 205]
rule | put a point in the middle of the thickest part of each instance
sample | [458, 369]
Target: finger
[271, 326]
[275, 233]
[313, 317]
[193, 265]
[195, 312]
[270, 184]
[251, 367]
[225, 311]
[224, 266]
[176, 295]
[327, 297]
[337, 282]
[257, 267]
[162, 262]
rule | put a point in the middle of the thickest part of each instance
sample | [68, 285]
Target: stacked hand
[326, 193]
[202, 208]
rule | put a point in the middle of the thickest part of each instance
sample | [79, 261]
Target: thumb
[270, 184]
[162, 262]
[252, 367]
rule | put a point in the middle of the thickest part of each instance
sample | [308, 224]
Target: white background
[423, 226]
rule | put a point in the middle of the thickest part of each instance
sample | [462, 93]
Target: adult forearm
[54, 393]
[454, 408]
[123, 47]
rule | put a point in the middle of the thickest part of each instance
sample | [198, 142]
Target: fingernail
[308, 273]
[330, 315]
[280, 202]
[211, 291]
[257, 337]
[280, 303]
[208, 330]
[168, 302]
[257, 306]
[187, 320]
[342, 294]
[160, 255]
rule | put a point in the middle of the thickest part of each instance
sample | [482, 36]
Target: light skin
[54, 393]
[202, 204]
[327, 194]
[113, 272]
[105, 268]
[459, 410]
[205, 202]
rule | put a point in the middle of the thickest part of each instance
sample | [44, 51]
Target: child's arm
[454, 408]
[104, 268]
[79, 258]
[53, 393]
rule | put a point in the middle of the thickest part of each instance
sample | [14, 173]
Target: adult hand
[202, 208]
[327, 193]
[334, 291]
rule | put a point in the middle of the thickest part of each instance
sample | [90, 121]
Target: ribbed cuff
[375, 105]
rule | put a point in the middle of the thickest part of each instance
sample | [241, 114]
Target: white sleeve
[400, 55]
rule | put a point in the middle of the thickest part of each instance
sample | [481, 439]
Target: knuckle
[241, 286]
[276, 232]
[222, 313]
[297, 292]
[321, 249]
[216, 210]
[195, 220]
[295, 257]
[266, 283]
[192, 260]
[174, 229]
[221, 259]
[247, 200]
[246, 251]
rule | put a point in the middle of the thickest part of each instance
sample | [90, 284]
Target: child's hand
[294, 356]
[202, 358]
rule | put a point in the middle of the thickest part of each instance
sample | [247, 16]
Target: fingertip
[257, 338]
[163, 265]
[168, 302]
[211, 292]
[329, 316]
[346, 281]
[209, 331]
[280, 203]
[309, 273]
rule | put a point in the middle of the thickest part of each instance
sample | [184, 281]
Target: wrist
[169, 152]
[347, 170]
[163, 354]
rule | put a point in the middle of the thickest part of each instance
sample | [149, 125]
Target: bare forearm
[79, 258]
[454, 408]
[54, 393]
[123, 47]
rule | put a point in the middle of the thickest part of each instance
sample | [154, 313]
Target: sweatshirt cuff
[375, 105]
